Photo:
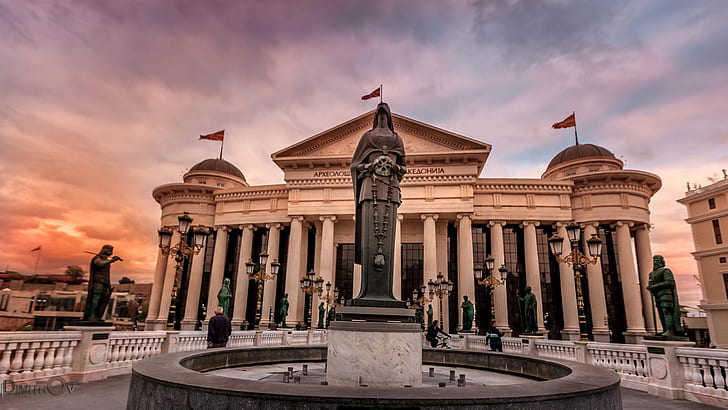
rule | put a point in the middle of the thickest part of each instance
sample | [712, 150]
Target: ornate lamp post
[579, 261]
[181, 252]
[440, 288]
[489, 280]
[417, 303]
[310, 284]
[329, 299]
[259, 275]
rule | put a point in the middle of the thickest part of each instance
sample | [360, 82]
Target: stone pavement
[111, 394]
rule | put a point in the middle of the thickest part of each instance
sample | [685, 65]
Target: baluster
[707, 375]
[39, 359]
[143, 344]
[29, 361]
[717, 376]
[68, 358]
[134, 350]
[17, 362]
[58, 360]
[50, 359]
[697, 374]
[5, 361]
[116, 353]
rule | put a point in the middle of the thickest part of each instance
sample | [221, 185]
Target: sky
[102, 101]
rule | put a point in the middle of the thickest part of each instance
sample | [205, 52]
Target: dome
[580, 151]
[218, 165]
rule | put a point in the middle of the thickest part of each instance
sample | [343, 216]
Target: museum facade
[450, 220]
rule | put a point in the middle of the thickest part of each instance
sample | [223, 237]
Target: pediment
[419, 139]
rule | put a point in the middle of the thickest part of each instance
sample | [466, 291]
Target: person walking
[218, 329]
[493, 337]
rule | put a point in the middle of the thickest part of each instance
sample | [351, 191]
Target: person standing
[219, 329]
[493, 338]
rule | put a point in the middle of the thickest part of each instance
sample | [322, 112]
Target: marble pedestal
[376, 354]
[666, 373]
[90, 364]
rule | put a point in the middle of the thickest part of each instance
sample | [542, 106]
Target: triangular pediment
[419, 139]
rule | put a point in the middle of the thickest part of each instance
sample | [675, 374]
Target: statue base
[398, 304]
[374, 314]
[90, 323]
[666, 338]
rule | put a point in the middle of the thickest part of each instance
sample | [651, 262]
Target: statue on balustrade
[99, 284]
[224, 296]
[321, 316]
[662, 286]
[468, 314]
[430, 313]
[528, 312]
[283, 310]
[377, 168]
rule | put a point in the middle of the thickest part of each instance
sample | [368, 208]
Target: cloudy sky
[101, 101]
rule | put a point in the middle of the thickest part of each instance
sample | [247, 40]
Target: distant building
[708, 218]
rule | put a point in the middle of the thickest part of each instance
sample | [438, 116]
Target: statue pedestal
[90, 365]
[665, 370]
[375, 353]
[529, 342]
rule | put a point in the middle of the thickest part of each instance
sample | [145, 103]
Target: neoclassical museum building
[450, 220]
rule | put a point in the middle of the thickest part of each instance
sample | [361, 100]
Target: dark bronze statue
[321, 316]
[99, 284]
[283, 310]
[377, 168]
[224, 296]
[663, 289]
[528, 306]
[468, 314]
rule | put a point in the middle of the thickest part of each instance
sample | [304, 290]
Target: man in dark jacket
[219, 329]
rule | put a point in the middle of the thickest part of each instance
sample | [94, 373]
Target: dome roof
[218, 165]
[580, 151]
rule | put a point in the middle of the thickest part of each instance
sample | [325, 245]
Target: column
[166, 297]
[326, 261]
[157, 285]
[597, 297]
[466, 278]
[294, 271]
[218, 266]
[568, 289]
[430, 254]
[644, 265]
[241, 280]
[269, 287]
[194, 285]
[356, 276]
[397, 271]
[533, 273]
[501, 292]
[630, 285]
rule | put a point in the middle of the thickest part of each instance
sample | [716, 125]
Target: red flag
[373, 94]
[569, 122]
[35, 249]
[215, 136]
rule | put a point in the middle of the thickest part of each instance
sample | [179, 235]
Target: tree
[74, 272]
[124, 280]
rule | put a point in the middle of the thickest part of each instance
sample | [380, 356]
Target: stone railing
[127, 347]
[36, 355]
[704, 375]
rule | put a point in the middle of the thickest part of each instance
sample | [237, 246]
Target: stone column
[295, 271]
[568, 289]
[242, 280]
[166, 298]
[533, 273]
[218, 266]
[597, 297]
[630, 286]
[430, 254]
[157, 286]
[356, 276]
[501, 292]
[644, 265]
[397, 271]
[269, 287]
[193, 291]
[326, 261]
[466, 278]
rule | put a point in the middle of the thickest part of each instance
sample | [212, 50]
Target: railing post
[665, 371]
[170, 344]
[582, 353]
[89, 356]
[258, 339]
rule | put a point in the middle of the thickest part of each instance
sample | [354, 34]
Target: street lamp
[417, 303]
[181, 252]
[441, 288]
[579, 261]
[310, 285]
[489, 280]
[260, 276]
[329, 299]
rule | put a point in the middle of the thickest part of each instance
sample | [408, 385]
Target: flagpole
[222, 144]
[576, 135]
[37, 259]
[381, 93]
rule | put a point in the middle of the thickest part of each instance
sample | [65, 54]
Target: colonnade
[633, 277]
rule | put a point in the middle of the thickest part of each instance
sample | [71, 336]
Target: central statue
[377, 168]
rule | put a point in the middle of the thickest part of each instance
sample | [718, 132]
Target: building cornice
[707, 217]
[522, 185]
[167, 193]
[258, 192]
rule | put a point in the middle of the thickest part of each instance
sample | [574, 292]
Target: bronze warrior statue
[663, 289]
[99, 284]
[377, 168]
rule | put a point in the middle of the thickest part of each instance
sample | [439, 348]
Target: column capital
[400, 217]
[298, 218]
[224, 228]
[433, 216]
[248, 226]
[493, 223]
[526, 223]
[622, 223]
[646, 226]
[325, 217]
[274, 226]
[468, 215]
[593, 224]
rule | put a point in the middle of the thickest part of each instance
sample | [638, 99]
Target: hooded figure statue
[377, 168]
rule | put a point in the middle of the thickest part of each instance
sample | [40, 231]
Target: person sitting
[432, 332]
[493, 337]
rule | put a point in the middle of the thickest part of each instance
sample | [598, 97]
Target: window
[412, 268]
[202, 182]
[721, 259]
[725, 284]
[711, 203]
[220, 184]
[716, 232]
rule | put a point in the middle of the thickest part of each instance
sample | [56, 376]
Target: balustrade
[36, 355]
[704, 373]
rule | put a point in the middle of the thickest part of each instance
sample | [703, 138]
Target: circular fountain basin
[202, 380]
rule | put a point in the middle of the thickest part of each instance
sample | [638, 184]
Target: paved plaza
[111, 394]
